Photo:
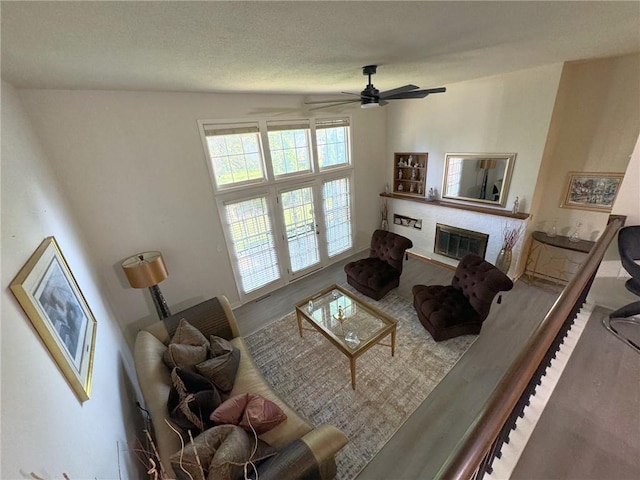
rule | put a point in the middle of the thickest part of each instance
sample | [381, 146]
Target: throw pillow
[222, 453]
[188, 347]
[251, 412]
[192, 400]
[221, 369]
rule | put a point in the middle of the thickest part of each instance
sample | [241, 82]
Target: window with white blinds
[332, 137]
[336, 199]
[250, 228]
[236, 154]
[290, 147]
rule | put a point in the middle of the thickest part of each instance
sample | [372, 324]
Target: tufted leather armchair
[460, 308]
[377, 275]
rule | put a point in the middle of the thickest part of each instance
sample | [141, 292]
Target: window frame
[270, 187]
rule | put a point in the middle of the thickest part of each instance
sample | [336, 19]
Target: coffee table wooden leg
[393, 341]
[299, 323]
[353, 373]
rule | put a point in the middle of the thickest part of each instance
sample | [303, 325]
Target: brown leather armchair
[377, 275]
[460, 308]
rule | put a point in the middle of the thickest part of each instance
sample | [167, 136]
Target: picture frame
[595, 191]
[50, 296]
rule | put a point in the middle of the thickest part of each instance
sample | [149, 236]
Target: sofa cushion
[192, 400]
[249, 411]
[222, 368]
[222, 451]
[187, 347]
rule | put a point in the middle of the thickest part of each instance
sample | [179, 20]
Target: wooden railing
[470, 452]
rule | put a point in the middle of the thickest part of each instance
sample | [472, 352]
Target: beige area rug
[315, 379]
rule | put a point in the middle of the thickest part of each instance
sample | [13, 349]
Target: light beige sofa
[305, 451]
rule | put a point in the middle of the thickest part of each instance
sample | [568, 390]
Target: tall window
[282, 196]
[337, 215]
[249, 226]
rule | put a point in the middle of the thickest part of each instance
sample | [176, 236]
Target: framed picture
[52, 300]
[592, 191]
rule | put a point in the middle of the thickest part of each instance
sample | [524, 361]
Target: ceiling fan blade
[334, 104]
[350, 93]
[329, 101]
[395, 91]
[416, 94]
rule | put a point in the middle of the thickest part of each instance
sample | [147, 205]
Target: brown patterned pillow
[221, 369]
[249, 411]
[222, 452]
[188, 347]
[192, 400]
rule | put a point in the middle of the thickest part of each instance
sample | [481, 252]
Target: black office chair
[629, 248]
[621, 322]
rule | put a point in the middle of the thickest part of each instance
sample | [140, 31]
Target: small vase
[503, 261]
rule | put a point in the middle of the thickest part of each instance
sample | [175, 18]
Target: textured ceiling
[299, 47]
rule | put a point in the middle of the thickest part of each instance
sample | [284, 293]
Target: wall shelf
[459, 206]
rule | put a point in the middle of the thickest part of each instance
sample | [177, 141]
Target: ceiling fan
[372, 97]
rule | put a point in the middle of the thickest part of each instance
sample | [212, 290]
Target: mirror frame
[502, 199]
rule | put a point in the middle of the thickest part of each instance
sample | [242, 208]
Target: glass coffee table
[351, 325]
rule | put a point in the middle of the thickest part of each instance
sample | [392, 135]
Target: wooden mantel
[459, 206]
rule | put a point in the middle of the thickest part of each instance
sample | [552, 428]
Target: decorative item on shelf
[413, 174]
[432, 194]
[510, 236]
[419, 189]
[575, 236]
[553, 231]
[412, 187]
[516, 205]
[147, 270]
[399, 174]
[400, 187]
[384, 213]
[410, 160]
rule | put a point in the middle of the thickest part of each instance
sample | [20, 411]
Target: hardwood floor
[424, 442]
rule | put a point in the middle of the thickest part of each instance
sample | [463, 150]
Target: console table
[558, 250]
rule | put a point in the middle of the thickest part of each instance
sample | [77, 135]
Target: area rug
[314, 377]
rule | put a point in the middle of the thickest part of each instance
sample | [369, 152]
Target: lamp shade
[145, 269]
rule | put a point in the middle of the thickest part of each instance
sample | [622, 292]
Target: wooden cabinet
[410, 173]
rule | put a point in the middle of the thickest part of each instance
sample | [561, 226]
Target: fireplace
[456, 242]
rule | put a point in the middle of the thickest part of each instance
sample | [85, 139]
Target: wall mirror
[478, 177]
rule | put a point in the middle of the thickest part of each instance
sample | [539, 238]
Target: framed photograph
[592, 191]
[51, 298]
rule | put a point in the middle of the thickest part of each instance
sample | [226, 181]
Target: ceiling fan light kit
[371, 97]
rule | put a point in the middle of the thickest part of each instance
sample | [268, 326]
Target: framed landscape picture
[592, 191]
[51, 298]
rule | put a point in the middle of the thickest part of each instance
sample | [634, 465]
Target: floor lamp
[147, 270]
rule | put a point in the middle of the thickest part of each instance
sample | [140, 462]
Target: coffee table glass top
[348, 321]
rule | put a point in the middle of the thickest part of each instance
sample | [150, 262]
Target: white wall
[502, 114]
[45, 429]
[134, 169]
[608, 287]
[595, 125]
